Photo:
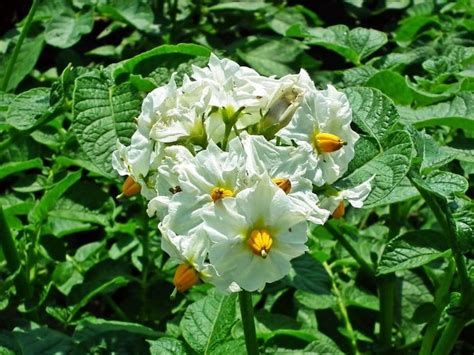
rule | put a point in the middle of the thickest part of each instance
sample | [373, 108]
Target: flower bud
[130, 188]
[339, 211]
[280, 112]
[327, 142]
[185, 277]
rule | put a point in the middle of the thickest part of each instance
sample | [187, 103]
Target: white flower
[136, 160]
[212, 174]
[167, 179]
[237, 95]
[254, 236]
[355, 196]
[181, 115]
[286, 166]
[322, 126]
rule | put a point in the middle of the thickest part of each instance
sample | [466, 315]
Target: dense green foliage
[81, 271]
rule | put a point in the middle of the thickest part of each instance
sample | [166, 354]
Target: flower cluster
[234, 165]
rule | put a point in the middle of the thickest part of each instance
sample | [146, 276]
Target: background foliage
[86, 273]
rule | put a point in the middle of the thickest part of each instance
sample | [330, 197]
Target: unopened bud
[327, 142]
[185, 277]
[130, 188]
[339, 211]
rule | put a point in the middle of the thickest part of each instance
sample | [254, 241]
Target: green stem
[11, 256]
[394, 221]
[386, 286]
[16, 51]
[228, 129]
[450, 336]
[350, 249]
[246, 311]
[146, 262]
[441, 299]
[118, 311]
[342, 310]
[442, 214]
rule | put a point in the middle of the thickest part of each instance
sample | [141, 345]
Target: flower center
[218, 193]
[284, 184]
[185, 277]
[260, 242]
[327, 142]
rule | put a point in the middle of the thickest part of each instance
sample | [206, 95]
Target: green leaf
[35, 340]
[271, 57]
[84, 204]
[409, 28]
[433, 156]
[24, 63]
[137, 13]
[457, 113]
[234, 346]
[411, 250]
[461, 149]
[166, 346]
[322, 345]
[51, 197]
[373, 112]
[106, 287]
[8, 169]
[103, 114]
[315, 301]
[355, 44]
[66, 28]
[354, 296]
[308, 274]
[27, 107]
[208, 321]
[91, 327]
[168, 56]
[393, 85]
[388, 167]
[239, 5]
[358, 75]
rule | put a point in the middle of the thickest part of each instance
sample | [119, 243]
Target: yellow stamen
[130, 188]
[185, 277]
[339, 211]
[284, 184]
[327, 142]
[260, 242]
[218, 193]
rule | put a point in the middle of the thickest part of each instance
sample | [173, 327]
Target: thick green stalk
[246, 311]
[11, 256]
[386, 286]
[450, 336]
[16, 51]
[441, 299]
[350, 249]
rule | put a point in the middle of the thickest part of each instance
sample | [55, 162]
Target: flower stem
[342, 310]
[350, 249]
[16, 51]
[246, 311]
